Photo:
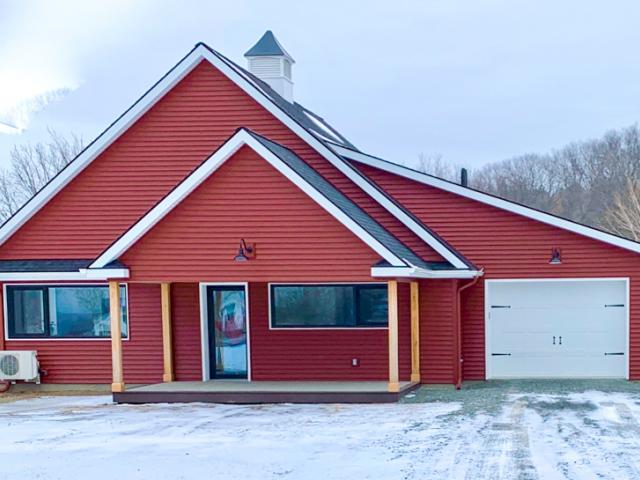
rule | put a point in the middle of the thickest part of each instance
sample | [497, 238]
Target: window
[61, 311]
[328, 306]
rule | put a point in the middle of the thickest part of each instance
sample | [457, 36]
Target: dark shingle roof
[268, 45]
[43, 265]
[296, 111]
[57, 265]
[337, 198]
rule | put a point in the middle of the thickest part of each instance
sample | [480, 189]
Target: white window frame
[5, 313]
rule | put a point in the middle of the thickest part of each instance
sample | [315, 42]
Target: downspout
[470, 283]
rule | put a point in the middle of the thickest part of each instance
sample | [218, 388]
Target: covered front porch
[389, 388]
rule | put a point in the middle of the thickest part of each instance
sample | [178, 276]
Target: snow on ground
[580, 435]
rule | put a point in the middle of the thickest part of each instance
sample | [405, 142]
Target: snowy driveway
[485, 432]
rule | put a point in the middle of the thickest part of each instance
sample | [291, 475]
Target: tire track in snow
[505, 452]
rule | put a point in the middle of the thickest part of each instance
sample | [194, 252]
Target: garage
[557, 328]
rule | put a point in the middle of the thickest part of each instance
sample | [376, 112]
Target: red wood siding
[185, 323]
[142, 353]
[437, 330]
[322, 354]
[160, 149]
[295, 238]
[507, 245]
[89, 361]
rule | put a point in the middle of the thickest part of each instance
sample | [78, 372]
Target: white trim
[5, 313]
[245, 83]
[82, 274]
[204, 334]
[241, 138]
[204, 325]
[280, 329]
[415, 272]
[488, 199]
[487, 310]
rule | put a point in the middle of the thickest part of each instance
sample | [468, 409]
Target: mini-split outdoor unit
[19, 365]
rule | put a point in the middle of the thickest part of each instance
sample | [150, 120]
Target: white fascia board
[489, 199]
[104, 273]
[415, 272]
[82, 274]
[199, 175]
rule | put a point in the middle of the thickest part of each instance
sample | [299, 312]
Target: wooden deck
[243, 392]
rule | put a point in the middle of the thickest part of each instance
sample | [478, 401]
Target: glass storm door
[227, 317]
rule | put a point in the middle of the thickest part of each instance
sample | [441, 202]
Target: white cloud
[44, 45]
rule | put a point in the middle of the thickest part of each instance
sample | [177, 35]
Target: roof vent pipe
[270, 62]
[464, 177]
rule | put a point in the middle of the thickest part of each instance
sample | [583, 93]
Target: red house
[219, 230]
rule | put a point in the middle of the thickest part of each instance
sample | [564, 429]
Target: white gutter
[417, 272]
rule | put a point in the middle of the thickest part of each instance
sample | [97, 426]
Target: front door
[227, 326]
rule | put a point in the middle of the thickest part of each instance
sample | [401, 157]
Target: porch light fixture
[556, 257]
[244, 252]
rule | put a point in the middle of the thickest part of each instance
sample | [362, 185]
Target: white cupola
[271, 63]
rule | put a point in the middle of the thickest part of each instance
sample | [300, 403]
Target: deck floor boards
[242, 391]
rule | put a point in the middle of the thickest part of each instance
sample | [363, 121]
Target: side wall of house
[507, 245]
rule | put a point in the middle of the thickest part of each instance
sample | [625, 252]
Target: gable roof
[488, 199]
[302, 175]
[267, 46]
[289, 114]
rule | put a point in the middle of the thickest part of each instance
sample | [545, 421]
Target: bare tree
[577, 182]
[433, 164]
[623, 218]
[31, 166]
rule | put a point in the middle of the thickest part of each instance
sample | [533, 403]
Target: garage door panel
[542, 329]
[547, 366]
[558, 294]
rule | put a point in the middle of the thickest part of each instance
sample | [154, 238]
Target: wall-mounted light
[245, 252]
[556, 256]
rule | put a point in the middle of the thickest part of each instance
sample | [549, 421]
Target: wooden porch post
[115, 312]
[167, 350]
[394, 376]
[415, 332]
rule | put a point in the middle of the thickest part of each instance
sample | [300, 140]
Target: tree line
[594, 182]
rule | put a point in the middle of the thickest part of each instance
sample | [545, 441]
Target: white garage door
[561, 329]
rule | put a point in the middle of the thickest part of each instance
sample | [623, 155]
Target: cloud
[45, 48]
[14, 119]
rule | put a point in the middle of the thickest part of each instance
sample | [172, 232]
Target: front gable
[247, 198]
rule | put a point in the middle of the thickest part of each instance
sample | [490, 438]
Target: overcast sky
[474, 81]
